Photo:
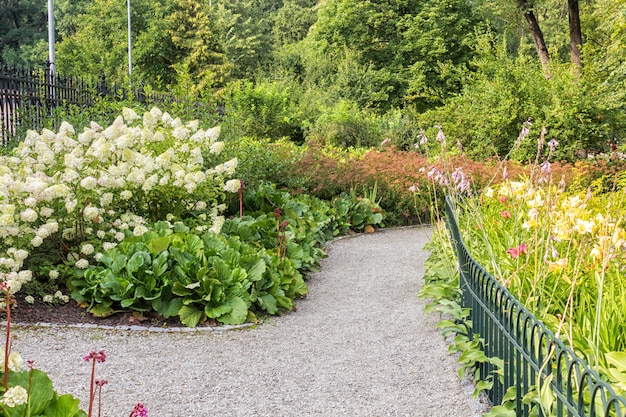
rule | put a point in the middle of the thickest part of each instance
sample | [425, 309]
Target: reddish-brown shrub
[401, 178]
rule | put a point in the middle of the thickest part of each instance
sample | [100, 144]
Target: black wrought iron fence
[28, 96]
[533, 358]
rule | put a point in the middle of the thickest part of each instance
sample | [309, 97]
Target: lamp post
[130, 48]
[51, 57]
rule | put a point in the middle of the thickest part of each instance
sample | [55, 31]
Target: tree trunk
[575, 33]
[535, 31]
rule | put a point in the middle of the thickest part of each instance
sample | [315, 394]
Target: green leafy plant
[177, 272]
[306, 230]
[355, 213]
[441, 288]
[29, 392]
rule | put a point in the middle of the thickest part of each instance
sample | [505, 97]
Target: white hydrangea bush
[83, 193]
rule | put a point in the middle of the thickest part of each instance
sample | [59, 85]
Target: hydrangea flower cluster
[15, 361]
[15, 396]
[87, 191]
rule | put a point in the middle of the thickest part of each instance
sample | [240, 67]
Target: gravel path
[359, 345]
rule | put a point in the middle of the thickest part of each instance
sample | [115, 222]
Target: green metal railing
[534, 358]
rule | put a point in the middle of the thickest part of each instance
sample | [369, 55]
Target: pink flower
[502, 199]
[97, 356]
[517, 251]
[505, 214]
[139, 411]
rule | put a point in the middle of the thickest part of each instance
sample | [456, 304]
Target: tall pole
[51, 40]
[130, 49]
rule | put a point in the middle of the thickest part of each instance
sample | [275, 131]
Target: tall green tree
[98, 43]
[412, 51]
[23, 32]
[193, 30]
[244, 28]
[291, 23]
[604, 54]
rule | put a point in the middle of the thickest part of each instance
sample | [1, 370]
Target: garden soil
[359, 344]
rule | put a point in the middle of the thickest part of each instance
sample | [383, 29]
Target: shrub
[68, 196]
[177, 272]
[345, 125]
[507, 91]
[263, 110]
[264, 161]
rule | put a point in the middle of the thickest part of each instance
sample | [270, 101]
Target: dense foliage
[344, 103]
[352, 73]
[130, 215]
[557, 249]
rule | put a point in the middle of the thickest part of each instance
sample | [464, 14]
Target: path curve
[359, 345]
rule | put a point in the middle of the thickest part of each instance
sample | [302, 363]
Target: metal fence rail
[534, 358]
[28, 96]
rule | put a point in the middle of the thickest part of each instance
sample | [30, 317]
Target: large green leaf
[109, 257]
[223, 271]
[218, 311]
[101, 310]
[255, 266]
[160, 264]
[300, 289]
[181, 257]
[146, 294]
[158, 245]
[41, 392]
[295, 254]
[190, 315]
[212, 290]
[284, 302]
[115, 286]
[238, 274]
[181, 289]
[268, 303]
[238, 314]
[213, 243]
[118, 263]
[167, 308]
[63, 406]
[194, 244]
[180, 227]
[500, 411]
[147, 281]
[246, 234]
[137, 260]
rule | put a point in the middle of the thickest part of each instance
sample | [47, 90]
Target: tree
[291, 23]
[537, 35]
[244, 29]
[193, 30]
[575, 32]
[411, 51]
[604, 55]
[23, 28]
[99, 44]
